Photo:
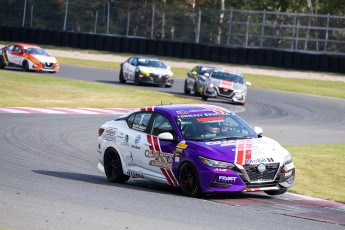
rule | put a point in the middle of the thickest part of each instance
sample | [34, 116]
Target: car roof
[187, 109]
[145, 57]
[228, 70]
[25, 45]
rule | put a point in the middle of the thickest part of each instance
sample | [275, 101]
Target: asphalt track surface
[49, 179]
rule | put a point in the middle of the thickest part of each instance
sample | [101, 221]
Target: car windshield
[204, 70]
[151, 63]
[227, 76]
[218, 127]
[37, 51]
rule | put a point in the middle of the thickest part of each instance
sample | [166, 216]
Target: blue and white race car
[199, 148]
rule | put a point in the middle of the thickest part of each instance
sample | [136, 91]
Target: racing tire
[196, 91]
[186, 90]
[121, 78]
[189, 180]
[204, 97]
[2, 64]
[25, 66]
[137, 80]
[168, 86]
[276, 192]
[113, 167]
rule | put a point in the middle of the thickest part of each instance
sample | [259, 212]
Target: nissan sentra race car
[226, 84]
[146, 70]
[27, 57]
[196, 79]
[198, 148]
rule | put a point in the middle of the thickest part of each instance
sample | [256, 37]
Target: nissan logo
[261, 168]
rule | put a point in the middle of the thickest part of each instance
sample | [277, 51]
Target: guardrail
[223, 54]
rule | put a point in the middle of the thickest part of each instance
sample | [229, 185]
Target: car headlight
[287, 164]
[238, 91]
[287, 160]
[147, 74]
[211, 85]
[215, 163]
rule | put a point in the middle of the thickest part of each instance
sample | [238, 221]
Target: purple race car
[199, 148]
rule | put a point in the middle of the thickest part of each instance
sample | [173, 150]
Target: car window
[162, 124]
[17, 49]
[226, 76]
[139, 121]
[10, 48]
[134, 62]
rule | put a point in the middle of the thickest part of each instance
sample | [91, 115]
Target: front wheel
[2, 64]
[196, 91]
[204, 97]
[113, 167]
[276, 192]
[189, 180]
[136, 80]
[121, 77]
[186, 89]
[25, 66]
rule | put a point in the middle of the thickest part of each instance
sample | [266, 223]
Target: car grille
[48, 65]
[159, 78]
[268, 175]
[225, 92]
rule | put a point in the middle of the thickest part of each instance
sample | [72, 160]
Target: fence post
[326, 38]
[153, 20]
[297, 33]
[247, 32]
[66, 12]
[108, 15]
[128, 21]
[163, 25]
[229, 30]
[24, 13]
[198, 28]
[263, 28]
[294, 29]
[32, 15]
[96, 19]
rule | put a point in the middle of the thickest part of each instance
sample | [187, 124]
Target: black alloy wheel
[186, 90]
[113, 167]
[121, 77]
[196, 91]
[25, 66]
[189, 180]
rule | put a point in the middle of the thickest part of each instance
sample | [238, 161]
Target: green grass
[320, 171]
[37, 90]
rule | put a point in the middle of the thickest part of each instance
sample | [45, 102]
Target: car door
[129, 68]
[160, 152]
[134, 144]
[17, 55]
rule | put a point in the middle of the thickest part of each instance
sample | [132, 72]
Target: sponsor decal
[182, 112]
[227, 179]
[219, 170]
[208, 119]
[181, 145]
[138, 127]
[125, 141]
[161, 160]
[259, 160]
[135, 147]
[137, 139]
[222, 143]
[110, 134]
[134, 174]
[226, 85]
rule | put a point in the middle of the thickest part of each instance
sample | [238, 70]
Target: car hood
[44, 58]
[158, 71]
[227, 84]
[242, 152]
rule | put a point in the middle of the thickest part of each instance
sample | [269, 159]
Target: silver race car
[226, 84]
[196, 79]
[146, 70]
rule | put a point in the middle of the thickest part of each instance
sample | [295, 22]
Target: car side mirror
[166, 136]
[258, 131]
[248, 83]
[206, 74]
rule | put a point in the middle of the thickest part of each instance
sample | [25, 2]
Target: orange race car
[27, 57]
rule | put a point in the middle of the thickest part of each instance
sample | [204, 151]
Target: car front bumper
[215, 92]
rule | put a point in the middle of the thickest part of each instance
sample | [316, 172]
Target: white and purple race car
[199, 148]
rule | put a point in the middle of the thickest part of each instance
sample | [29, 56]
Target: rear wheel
[204, 97]
[276, 192]
[196, 91]
[2, 64]
[113, 167]
[186, 90]
[121, 77]
[25, 66]
[189, 180]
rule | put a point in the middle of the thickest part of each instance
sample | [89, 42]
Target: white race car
[27, 57]
[146, 70]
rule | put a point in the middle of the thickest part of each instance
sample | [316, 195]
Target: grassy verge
[35, 90]
[313, 87]
[320, 171]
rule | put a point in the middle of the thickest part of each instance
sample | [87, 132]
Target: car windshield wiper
[194, 139]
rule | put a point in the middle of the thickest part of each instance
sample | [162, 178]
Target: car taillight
[100, 131]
